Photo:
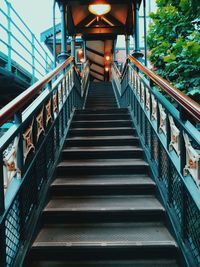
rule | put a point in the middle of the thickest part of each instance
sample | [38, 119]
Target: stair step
[103, 166]
[114, 116]
[102, 185]
[96, 240]
[101, 123]
[101, 131]
[102, 140]
[103, 209]
[109, 263]
[103, 111]
[106, 152]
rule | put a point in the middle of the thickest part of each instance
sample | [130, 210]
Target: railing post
[20, 152]
[2, 200]
[9, 65]
[137, 53]
[2, 245]
[33, 58]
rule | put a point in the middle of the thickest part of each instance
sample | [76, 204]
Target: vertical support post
[54, 33]
[137, 53]
[2, 200]
[33, 58]
[114, 51]
[84, 50]
[145, 32]
[63, 55]
[9, 65]
[127, 39]
[73, 46]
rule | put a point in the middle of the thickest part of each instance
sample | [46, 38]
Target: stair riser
[101, 154]
[74, 132]
[106, 111]
[84, 190]
[102, 124]
[102, 216]
[115, 142]
[102, 117]
[102, 252]
[69, 170]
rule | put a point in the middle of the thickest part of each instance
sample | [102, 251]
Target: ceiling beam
[94, 51]
[97, 72]
[95, 63]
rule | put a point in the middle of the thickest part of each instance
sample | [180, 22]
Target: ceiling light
[107, 58]
[106, 69]
[99, 8]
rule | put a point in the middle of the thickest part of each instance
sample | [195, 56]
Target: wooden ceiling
[81, 22]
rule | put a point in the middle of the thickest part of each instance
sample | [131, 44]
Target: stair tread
[109, 263]
[126, 179]
[101, 129]
[99, 121]
[109, 234]
[103, 148]
[101, 203]
[113, 137]
[103, 162]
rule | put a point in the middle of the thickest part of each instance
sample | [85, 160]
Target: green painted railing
[20, 45]
[29, 152]
[172, 145]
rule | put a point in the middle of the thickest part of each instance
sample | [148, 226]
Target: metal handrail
[172, 148]
[189, 105]
[8, 111]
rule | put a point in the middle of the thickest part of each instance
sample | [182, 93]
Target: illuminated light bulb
[80, 51]
[107, 58]
[106, 69]
[99, 9]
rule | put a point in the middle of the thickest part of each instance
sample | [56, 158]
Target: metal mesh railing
[172, 146]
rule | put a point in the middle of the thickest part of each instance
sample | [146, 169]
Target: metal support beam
[63, 55]
[137, 53]
[84, 50]
[114, 50]
[127, 39]
[54, 32]
[73, 46]
[145, 32]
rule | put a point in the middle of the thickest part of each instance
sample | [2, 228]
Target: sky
[36, 13]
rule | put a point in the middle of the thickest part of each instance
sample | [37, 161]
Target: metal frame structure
[21, 42]
[171, 144]
[29, 152]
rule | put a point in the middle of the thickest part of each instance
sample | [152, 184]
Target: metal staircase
[103, 209]
[100, 174]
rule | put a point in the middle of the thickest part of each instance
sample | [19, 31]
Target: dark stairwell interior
[103, 208]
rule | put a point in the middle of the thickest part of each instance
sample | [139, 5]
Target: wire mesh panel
[172, 148]
[193, 227]
[13, 232]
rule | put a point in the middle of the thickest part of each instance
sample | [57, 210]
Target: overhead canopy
[80, 21]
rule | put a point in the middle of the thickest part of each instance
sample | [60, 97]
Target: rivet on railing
[40, 123]
[147, 100]
[10, 168]
[192, 160]
[154, 108]
[28, 145]
[175, 136]
[48, 112]
[163, 116]
[142, 92]
[55, 103]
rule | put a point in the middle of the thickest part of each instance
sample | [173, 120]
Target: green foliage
[174, 44]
